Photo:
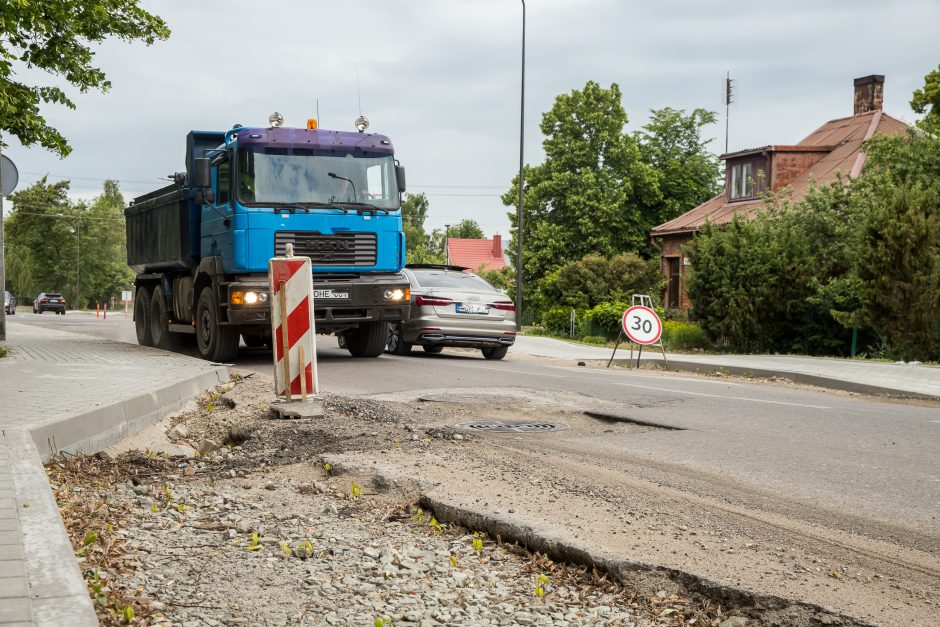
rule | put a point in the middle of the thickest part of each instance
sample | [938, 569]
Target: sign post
[293, 336]
[642, 326]
[9, 177]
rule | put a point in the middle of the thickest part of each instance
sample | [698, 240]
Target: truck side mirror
[400, 175]
[201, 177]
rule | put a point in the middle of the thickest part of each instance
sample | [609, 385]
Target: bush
[684, 336]
[595, 339]
[558, 320]
[606, 317]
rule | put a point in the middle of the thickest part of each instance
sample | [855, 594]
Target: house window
[742, 181]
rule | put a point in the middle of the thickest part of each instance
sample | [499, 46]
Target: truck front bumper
[338, 303]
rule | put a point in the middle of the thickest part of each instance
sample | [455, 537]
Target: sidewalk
[62, 391]
[851, 375]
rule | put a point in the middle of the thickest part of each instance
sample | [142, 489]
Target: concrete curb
[563, 547]
[831, 383]
[57, 591]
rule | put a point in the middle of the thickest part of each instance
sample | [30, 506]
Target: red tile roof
[841, 139]
[473, 253]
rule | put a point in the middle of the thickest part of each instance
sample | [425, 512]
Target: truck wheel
[215, 342]
[495, 352]
[396, 343]
[142, 316]
[368, 340]
[159, 333]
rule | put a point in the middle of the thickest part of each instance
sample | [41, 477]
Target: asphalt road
[852, 455]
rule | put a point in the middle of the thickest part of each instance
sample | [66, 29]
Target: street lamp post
[521, 184]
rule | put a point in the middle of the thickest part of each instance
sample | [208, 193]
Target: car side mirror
[400, 175]
[201, 176]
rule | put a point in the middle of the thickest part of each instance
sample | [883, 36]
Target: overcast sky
[441, 78]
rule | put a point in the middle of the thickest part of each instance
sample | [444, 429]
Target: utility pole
[521, 183]
[446, 244]
[3, 274]
[78, 260]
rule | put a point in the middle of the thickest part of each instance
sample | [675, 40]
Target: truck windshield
[301, 175]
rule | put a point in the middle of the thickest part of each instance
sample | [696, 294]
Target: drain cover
[512, 426]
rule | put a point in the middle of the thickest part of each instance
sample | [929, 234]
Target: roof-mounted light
[276, 119]
[362, 123]
[312, 124]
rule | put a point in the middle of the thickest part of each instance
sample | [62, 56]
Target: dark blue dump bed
[163, 231]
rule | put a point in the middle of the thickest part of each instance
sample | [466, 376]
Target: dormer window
[742, 181]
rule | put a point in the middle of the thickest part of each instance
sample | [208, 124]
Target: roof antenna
[362, 123]
[729, 98]
[358, 91]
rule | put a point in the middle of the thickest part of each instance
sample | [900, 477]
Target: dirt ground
[194, 540]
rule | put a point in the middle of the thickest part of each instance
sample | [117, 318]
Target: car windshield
[453, 280]
[302, 175]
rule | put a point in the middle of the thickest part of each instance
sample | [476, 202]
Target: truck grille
[340, 249]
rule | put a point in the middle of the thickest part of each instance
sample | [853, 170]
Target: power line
[63, 216]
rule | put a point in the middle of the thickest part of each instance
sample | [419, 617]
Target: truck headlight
[251, 298]
[398, 294]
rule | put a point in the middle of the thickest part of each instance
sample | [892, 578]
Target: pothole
[608, 417]
[512, 426]
[463, 397]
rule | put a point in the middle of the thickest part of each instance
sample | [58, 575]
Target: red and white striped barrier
[292, 326]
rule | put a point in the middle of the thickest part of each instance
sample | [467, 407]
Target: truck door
[217, 240]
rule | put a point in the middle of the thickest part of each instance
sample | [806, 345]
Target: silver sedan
[450, 307]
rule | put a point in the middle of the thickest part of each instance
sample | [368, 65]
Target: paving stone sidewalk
[63, 391]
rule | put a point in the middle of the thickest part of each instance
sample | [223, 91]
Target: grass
[3, 352]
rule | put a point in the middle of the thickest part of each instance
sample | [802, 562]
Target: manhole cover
[513, 426]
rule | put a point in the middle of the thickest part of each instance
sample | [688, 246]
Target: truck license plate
[329, 294]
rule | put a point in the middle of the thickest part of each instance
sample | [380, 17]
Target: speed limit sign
[642, 325]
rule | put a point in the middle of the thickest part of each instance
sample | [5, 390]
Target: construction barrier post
[292, 326]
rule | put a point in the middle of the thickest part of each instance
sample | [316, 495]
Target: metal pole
[3, 276]
[78, 263]
[521, 183]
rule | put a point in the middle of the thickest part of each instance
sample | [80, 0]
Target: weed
[541, 582]
[91, 537]
[128, 614]
[355, 490]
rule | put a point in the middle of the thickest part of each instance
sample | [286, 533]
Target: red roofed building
[835, 147]
[473, 253]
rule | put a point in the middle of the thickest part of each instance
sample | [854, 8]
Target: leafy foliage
[51, 242]
[592, 280]
[419, 245]
[927, 99]
[601, 188]
[56, 36]
[466, 229]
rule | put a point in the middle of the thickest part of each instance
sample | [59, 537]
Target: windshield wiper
[361, 207]
[292, 205]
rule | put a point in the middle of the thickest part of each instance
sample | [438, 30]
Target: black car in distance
[49, 301]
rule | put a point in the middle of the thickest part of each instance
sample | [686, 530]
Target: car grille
[339, 249]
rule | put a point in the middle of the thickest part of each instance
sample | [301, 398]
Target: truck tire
[215, 342]
[159, 333]
[368, 340]
[142, 316]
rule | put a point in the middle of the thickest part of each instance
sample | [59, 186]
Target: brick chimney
[869, 93]
[498, 246]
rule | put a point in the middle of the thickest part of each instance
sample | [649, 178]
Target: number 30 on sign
[642, 325]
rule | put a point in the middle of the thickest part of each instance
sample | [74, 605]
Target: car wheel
[368, 340]
[433, 349]
[396, 345]
[215, 342]
[142, 316]
[495, 352]
[159, 317]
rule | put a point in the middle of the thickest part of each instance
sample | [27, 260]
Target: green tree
[927, 99]
[686, 172]
[104, 269]
[43, 248]
[593, 193]
[900, 270]
[414, 213]
[41, 241]
[56, 36]
[466, 229]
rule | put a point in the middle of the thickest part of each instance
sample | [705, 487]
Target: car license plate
[469, 308]
[329, 294]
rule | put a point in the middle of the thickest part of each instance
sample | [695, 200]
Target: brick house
[474, 253]
[835, 147]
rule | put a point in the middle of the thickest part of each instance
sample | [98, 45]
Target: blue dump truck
[200, 246]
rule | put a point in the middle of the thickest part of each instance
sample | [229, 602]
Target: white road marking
[648, 387]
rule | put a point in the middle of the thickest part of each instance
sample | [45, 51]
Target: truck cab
[201, 246]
